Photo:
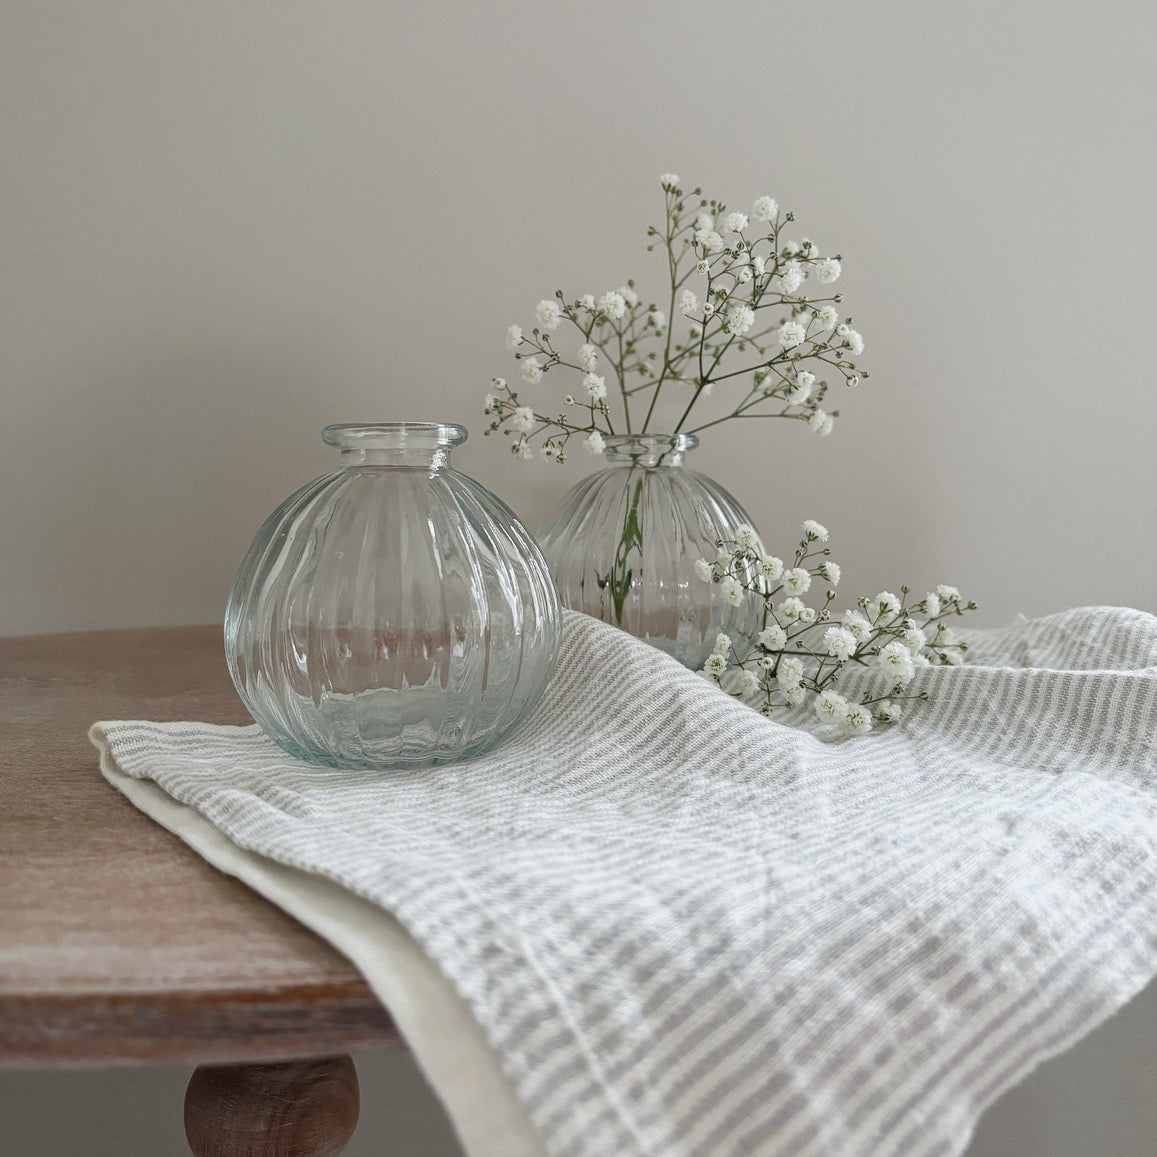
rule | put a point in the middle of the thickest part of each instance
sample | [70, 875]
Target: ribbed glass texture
[622, 546]
[394, 613]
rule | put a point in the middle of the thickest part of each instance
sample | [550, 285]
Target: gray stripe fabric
[689, 930]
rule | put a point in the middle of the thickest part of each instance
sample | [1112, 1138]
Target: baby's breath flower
[613, 304]
[797, 581]
[790, 609]
[932, 604]
[595, 386]
[826, 317]
[840, 642]
[770, 567]
[896, 660]
[790, 277]
[854, 342]
[707, 337]
[710, 240]
[915, 639]
[740, 318]
[820, 423]
[773, 637]
[828, 270]
[831, 706]
[857, 719]
[802, 389]
[715, 666]
[888, 632]
[948, 594]
[830, 571]
[791, 334]
[732, 591]
[548, 313]
[857, 625]
[764, 209]
[885, 606]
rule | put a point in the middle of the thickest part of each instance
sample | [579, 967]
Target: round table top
[118, 944]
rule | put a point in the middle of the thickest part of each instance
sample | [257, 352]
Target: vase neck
[648, 450]
[408, 445]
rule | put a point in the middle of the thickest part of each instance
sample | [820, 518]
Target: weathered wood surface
[294, 1109]
[118, 944]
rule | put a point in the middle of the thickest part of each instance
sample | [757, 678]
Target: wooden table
[120, 946]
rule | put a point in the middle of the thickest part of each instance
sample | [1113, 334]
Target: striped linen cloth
[684, 929]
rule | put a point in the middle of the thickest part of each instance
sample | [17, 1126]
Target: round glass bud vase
[394, 613]
[622, 546]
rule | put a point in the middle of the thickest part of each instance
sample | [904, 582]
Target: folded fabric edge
[442, 1035]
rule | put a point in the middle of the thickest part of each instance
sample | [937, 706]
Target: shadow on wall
[159, 470]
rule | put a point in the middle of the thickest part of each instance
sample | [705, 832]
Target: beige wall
[223, 225]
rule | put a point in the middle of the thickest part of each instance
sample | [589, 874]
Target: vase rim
[394, 435]
[647, 442]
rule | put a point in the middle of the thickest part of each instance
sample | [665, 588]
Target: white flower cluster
[802, 649]
[738, 291]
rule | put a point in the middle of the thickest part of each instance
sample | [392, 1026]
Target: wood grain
[299, 1109]
[118, 944]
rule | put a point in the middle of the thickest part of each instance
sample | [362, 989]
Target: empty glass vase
[394, 613]
[623, 543]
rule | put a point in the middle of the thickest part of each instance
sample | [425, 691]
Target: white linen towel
[684, 929]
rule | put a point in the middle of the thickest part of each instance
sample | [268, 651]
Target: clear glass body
[622, 546]
[394, 613]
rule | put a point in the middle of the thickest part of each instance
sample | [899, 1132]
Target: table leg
[303, 1108]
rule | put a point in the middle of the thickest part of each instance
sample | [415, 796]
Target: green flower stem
[620, 577]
